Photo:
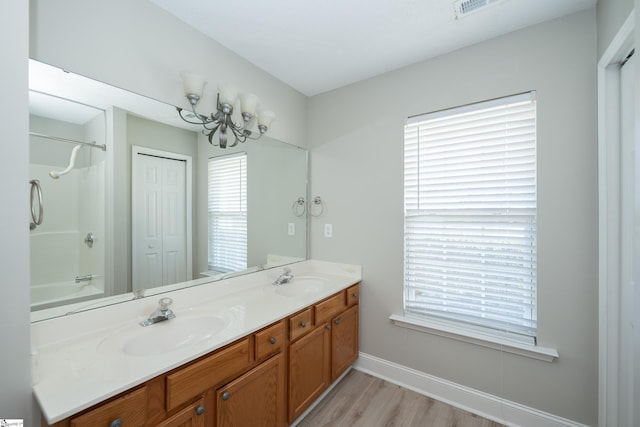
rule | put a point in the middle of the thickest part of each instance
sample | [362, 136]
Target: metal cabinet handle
[303, 324]
[337, 321]
[272, 340]
[116, 423]
[328, 327]
[200, 410]
[355, 295]
[226, 395]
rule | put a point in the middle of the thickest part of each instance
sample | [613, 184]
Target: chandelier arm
[250, 135]
[213, 123]
[203, 119]
[211, 133]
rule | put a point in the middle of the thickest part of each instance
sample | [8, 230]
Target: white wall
[611, 16]
[357, 168]
[15, 395]
[135, 45]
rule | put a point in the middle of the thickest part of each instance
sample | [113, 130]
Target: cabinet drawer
[300, 324]
[130, 409]
[329, 308]
[353, 295]
[189, 382]
[270, 340]
[191, 416]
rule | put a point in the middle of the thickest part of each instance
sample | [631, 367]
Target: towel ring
[317, 201]
[297, 211]
[36, 218]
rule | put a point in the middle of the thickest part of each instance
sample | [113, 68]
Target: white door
[159, 221]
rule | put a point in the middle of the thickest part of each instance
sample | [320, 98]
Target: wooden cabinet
[344, 341]
[267, 378]
[325, 352]
[255, 399]
[309, 370]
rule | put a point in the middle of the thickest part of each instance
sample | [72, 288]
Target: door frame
[139, 150]
[609, 184]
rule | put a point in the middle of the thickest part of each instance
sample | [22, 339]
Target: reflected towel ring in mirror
[317, 201]
[299, 207]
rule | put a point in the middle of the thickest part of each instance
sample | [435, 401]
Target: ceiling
[319, 45]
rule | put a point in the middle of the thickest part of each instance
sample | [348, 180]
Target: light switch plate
[328, 230]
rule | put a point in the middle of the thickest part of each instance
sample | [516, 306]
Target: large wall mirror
[128, 200]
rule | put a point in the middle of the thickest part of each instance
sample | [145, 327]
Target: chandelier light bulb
[193, 83]
[249, 104]
[228, 94]
[266, 118]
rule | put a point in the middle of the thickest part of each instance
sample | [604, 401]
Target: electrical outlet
[328, 230]
[291, 229]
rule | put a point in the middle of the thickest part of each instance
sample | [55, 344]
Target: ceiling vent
[466, 7]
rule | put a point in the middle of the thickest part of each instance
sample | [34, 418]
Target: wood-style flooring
[362, 400]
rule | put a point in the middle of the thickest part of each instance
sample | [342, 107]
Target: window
[470, 217]
[227, 202]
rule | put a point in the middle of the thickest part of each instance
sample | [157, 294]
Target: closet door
[174, 258]
[158, 221]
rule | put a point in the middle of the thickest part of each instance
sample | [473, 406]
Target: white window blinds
[470, 216]
[227, 205]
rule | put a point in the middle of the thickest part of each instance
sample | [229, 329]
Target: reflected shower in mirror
[136, 200]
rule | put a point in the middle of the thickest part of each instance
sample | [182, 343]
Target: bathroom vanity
[273, 351]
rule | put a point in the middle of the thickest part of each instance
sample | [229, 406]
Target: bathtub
[49, 295]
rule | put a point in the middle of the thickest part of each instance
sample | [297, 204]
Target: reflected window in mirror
[227, 201]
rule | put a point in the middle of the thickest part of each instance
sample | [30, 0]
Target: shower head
[72, 161]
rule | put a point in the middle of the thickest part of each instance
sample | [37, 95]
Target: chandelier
[221, 121]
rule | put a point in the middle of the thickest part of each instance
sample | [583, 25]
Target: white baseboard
[468, 399]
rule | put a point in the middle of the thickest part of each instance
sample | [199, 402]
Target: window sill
[477, 338]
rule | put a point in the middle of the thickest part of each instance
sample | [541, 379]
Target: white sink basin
[302, 285]
[163, 337]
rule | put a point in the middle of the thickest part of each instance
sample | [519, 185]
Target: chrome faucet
[284, 277]
[161, 313]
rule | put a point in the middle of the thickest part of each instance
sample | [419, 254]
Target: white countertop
[77, 361]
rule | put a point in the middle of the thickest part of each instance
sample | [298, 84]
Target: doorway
[619, 221]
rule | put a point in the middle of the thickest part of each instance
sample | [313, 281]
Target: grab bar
[36, 219]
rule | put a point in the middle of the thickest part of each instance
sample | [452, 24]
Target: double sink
[192, 327]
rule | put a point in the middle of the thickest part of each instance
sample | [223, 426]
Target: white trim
[483, 404]
[476, 337]
[609, 227]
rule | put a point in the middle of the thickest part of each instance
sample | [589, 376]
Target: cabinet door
[309, 370]
[255, 399]
[191, 416]
[344, 341]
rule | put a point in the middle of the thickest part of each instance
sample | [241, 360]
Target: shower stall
[67, 228]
